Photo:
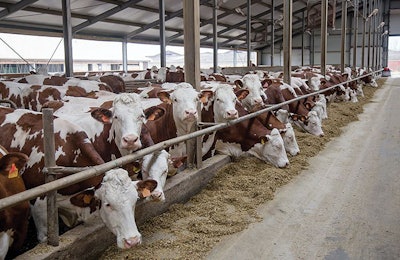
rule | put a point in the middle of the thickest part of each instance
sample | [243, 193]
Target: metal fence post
[49, 163]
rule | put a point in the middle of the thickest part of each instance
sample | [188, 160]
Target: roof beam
[104, 15]
[16, 7]
[178, 13]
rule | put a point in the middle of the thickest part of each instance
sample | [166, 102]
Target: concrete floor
[345, 206]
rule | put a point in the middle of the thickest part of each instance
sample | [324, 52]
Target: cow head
[271, 149]
[256, 95]
[224, 103]
[312, 124]
[155, 166]
[289, 140]
[117, 196]
[127, 118]
[184, 100]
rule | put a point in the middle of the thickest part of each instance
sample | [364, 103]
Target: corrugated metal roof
[138, 20]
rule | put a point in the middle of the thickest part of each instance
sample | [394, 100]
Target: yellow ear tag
[146, 193]
[87, 199]
[262, 141]
[13, 173]
[136, 169]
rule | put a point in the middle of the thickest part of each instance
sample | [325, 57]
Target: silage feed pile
[229, 202]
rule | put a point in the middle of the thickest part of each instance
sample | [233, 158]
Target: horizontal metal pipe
[100, 169]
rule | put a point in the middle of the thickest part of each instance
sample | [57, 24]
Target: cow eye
[115, 117]
[108, 205]
[175, 100]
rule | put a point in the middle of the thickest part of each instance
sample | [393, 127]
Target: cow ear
[102, 115]
[205, 95]
[12, 162]
[308, 105]
[242, 93]
[145, 187]
[86, 199]
[164, 97]
[239, 83]
[294, 117]
[154, 113]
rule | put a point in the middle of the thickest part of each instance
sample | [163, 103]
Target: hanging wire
[47, 65]
[17, 53]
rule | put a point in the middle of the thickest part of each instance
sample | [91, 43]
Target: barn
[171, 156]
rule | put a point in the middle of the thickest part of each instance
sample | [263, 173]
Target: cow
[270, 121]
[248, 137]
[256, 96]
[115, 200]
[13, 220]
[300, 114]
[34, 96]
[73, 148]
[22, 131]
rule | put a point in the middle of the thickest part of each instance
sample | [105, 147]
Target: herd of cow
[96, 121]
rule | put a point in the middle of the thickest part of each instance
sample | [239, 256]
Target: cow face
[127, 118]
[312, 125]
[155, 166]
[256, 96]
[271, 149]
[184, 100]
[224, 104]
[118, 195]
[289, 140]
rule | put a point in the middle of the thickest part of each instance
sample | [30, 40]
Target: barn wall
[394, 22]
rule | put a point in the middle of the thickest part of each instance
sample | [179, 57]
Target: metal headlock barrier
[91, 171]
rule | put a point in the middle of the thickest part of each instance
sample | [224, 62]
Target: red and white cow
[35, 96]
[256, 96]
[73, 148]
[13, 220]
[301, 116]
[248, 137]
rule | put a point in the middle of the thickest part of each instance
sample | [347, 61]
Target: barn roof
[137, 21]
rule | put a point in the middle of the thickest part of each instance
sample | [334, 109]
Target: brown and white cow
[73, 148]
[248, 137]
[300, 114]
[33, 97]
[13, 220]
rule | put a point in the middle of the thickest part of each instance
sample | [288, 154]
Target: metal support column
[163, 56]
[67, 33]
[363, 34]
[369, 37]
[374, 26]
[191, 17]
[50, 163]
[303, 27]
[287, 41]
[343, 34]
[355, 35]
[272, 31]
[125, 56]
[248, 34]
[215, 36]
[324, 28]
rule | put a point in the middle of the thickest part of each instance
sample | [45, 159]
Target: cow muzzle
[132, 241]
[130, 142]
[190, 114]
[231, 114]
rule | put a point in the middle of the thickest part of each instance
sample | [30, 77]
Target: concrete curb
[89, 240]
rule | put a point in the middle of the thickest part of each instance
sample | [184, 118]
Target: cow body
[13, 220]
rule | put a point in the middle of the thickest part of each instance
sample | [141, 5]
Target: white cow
[117, 196]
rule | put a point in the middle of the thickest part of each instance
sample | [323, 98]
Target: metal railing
[100, 169]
